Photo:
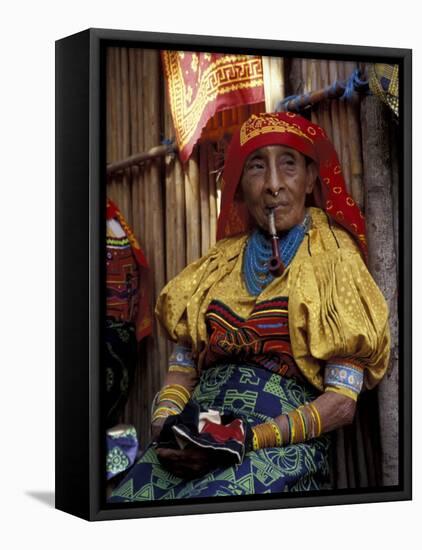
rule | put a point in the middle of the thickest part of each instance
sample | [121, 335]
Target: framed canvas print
[233, 322]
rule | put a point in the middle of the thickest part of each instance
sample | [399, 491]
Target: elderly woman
[279, 325]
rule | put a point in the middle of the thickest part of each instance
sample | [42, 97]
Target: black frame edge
[406, 273]
[72, 419]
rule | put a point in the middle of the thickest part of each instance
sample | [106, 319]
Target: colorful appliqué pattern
[262, 339]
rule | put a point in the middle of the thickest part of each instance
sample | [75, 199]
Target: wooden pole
[126, 144]
[204, 199]
[170, 202]
[324, 107]
[332, 71]
[140, 158]
[146, 358]
[158, 363]
[341, 474]
[192, 198]
[212, 193]
[119, 126]
[273, 71]
[394, 140]
[355, 143]
[344, 131]
[313, 82]
[135, 107]
[112, 129]
[180, 228]
[350, 455]
[359, 443]
[382, 263]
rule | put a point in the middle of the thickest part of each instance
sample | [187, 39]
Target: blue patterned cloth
[122, 449]
[257, 395]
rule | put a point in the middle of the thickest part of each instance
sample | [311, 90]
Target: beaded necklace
[258, 252]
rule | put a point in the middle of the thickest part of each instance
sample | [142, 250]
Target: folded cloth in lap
[227, 435]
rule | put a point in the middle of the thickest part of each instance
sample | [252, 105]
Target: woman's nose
[274, 180]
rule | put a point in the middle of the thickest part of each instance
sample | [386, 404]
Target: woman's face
[277, 177]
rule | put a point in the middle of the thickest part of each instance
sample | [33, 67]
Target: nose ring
[275, 194]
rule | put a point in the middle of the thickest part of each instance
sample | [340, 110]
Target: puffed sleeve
[338, 322]
[181, 304]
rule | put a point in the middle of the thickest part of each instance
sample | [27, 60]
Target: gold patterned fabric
[335, 309]
[199, 84]
[384, 83]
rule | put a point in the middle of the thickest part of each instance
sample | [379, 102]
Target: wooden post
[324, 106]
[171, 204]
[154, 216]
[341, 473]
[273, 70]
[193, 226]
[213, 194]
[126, 192]
[382, 263]
[355, 143]
[204, 199]
[313, 81]
[111, 124]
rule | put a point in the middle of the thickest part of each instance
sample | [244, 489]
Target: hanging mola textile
[128, 310]
[200, 84]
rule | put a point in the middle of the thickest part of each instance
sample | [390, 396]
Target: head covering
[294, 131]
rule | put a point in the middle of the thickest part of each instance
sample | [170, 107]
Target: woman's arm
[180, 381]
[334, 410]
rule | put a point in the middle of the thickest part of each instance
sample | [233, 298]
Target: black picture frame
[80, 194]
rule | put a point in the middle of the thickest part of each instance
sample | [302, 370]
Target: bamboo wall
[173, 211]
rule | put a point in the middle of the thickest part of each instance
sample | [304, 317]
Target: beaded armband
[173, 397]
[343, 376]
[181, 359]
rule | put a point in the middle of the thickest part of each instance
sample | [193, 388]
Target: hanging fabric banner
[200, 84]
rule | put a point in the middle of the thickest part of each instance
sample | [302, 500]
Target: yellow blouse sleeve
[182, 303]
[338, 315]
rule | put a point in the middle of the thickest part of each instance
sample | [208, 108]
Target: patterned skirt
[258, 395]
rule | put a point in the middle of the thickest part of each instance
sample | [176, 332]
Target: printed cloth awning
[200, 84]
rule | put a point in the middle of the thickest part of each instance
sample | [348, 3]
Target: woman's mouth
[276, 207]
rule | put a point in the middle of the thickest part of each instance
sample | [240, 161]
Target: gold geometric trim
[227, 74]
[256, 126]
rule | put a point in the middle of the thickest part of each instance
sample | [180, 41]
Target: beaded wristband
[175, 390]
[317, 419]
[295, 425]
[163, 412]
[277, 432]
[267, 434]
[174, 394]
[174, 398]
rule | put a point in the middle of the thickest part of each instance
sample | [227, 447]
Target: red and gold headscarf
[294, 131]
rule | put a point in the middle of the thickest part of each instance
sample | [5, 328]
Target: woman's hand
[156, 428]
[188, 463]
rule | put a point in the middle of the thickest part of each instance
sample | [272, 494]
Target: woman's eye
[256, 165]
[289, 162]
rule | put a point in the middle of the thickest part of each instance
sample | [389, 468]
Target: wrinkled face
[277, 177]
